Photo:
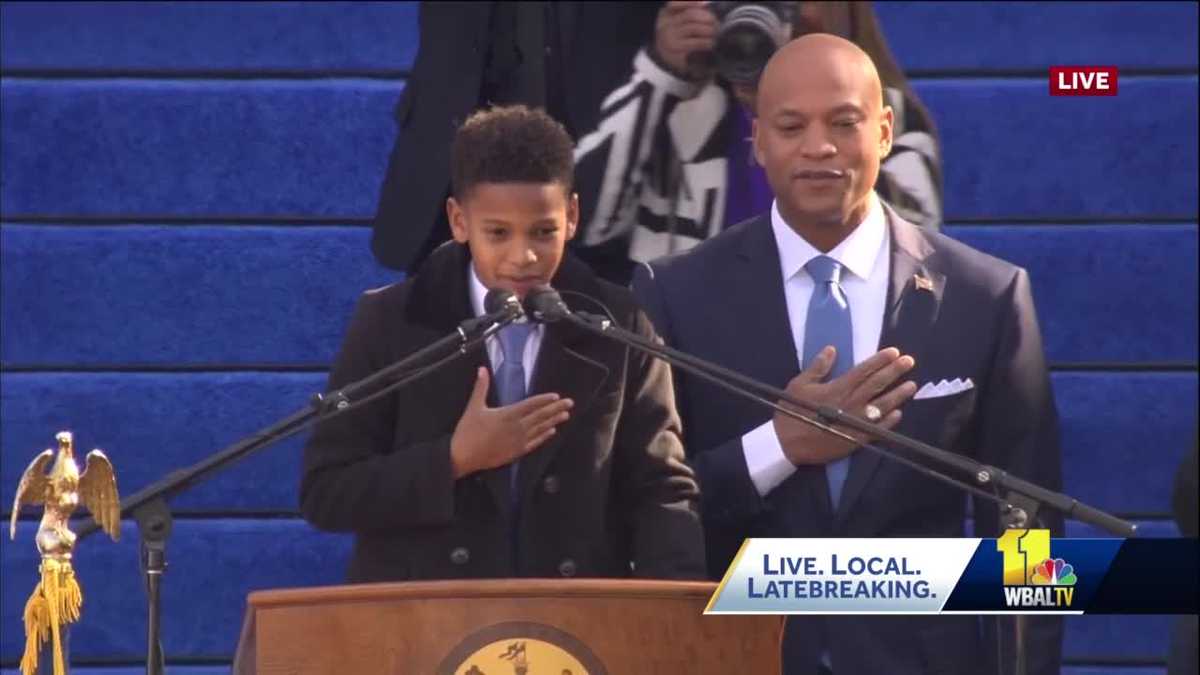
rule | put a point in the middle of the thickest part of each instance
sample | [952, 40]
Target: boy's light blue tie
[510, 376]
[510, 388]
[828, 323]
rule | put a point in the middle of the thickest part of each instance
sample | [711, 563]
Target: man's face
[517, 232]
[820, 134]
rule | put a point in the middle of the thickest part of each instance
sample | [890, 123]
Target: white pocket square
[944, 388]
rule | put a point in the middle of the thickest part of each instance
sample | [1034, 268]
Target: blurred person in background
[658, 97]
[1184, 655]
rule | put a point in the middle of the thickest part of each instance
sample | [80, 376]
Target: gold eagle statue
[57, 599]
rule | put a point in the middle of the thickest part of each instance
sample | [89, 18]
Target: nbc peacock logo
[1032, 578]
[1056, 572]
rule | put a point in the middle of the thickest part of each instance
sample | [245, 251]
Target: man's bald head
[820, 53]
[821, 133]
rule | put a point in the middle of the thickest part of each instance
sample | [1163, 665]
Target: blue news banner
[1023, 571]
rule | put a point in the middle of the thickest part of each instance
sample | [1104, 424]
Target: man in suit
[550, 453]
[823, 282]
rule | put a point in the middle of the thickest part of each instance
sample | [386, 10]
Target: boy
[548, 453]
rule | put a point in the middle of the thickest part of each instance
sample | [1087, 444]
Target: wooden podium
[498, 627]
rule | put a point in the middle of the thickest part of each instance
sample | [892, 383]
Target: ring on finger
[873, 413]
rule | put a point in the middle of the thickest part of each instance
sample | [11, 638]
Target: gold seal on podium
[521, 648]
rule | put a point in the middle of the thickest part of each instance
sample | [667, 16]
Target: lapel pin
[923, 283]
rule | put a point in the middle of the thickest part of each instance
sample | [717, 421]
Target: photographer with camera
[658, 97]
[696, 169]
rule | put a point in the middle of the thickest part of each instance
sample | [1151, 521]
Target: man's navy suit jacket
[970, 316]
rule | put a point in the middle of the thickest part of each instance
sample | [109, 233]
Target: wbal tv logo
[1031, 577]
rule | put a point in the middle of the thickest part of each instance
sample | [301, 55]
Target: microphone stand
[148, 506]
[1018, 506]
[1021, 501]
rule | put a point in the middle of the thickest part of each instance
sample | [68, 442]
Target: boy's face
[517, 232]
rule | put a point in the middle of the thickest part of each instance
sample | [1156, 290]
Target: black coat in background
[1184, 656]
[609, 495]
[447, 84]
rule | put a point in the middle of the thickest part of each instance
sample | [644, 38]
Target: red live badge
[1083, 80]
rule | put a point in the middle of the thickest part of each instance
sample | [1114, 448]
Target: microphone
[544, 304]
[501, 300]
[501, 307]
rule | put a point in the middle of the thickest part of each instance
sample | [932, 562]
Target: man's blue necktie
[510, 388]
[828, 323]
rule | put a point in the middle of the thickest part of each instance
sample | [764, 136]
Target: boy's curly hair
[511, 144]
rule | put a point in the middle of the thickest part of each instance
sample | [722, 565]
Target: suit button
[567, 567]
[460, 555]
[550, 485]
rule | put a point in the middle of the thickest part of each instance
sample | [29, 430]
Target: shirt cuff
[765, 461]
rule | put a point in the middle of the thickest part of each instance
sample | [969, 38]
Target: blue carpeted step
[195, 148]
[1124, 434]
[1103, 638]
[1013, 151]
[1004, 36]
[1146, 529]
[298, 36]
[188, 295]
[208, 36]
[90, 296]
[1105, 293]
[151, 424]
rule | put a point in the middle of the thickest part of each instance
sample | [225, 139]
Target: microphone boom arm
[1019, 505]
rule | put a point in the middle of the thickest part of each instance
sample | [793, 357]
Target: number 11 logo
[1023, 551]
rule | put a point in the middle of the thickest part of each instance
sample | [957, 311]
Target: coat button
[460, 555]
[567, 567]
[550, 485]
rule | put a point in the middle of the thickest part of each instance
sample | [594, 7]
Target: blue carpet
[1013, 151]
[208, 36]
[150, 424]
[318, 148]
[1119, 294]
[150, 295]
[1005, 36]
[188, 148]
[187, 295]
